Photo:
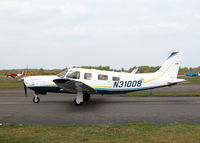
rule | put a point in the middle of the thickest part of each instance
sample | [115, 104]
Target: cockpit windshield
[73, 75]
[62, 74]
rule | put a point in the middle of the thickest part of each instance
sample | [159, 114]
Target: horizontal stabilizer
[174, 80]
[135, 70]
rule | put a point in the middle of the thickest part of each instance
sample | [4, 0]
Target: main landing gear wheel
[86, 97]
[36, 99]
[77, 103]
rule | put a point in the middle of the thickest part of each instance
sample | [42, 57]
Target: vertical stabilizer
[171, 66]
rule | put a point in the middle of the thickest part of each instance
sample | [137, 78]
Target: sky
[53, 34]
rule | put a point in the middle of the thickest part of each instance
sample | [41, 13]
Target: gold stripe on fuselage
[102, 86]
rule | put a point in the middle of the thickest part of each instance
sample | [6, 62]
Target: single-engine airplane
[84, 82]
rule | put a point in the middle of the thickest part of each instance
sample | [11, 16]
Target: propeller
[23, 78]
[25, 89]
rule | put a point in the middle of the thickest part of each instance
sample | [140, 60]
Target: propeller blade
[25, 90]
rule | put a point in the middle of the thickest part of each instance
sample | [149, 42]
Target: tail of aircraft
[171, 66]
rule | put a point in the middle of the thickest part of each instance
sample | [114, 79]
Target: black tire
[77, 104]
[86, 97]
[36, 99]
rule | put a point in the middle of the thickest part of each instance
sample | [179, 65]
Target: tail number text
[123, 84]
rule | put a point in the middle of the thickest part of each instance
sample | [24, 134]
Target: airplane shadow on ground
[95, 102]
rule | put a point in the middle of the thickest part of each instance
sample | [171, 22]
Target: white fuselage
[113, 83]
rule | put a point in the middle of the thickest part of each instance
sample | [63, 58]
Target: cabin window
[115, 78]
[88, 76]
[102, 77]
[74, 75]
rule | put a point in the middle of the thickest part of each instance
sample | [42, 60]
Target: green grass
[10, 83]
[190, 80]
[162, 94]
[128, 133]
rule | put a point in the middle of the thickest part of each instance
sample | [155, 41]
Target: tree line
[141, 69]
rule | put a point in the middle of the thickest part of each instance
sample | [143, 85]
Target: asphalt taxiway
[58, 109]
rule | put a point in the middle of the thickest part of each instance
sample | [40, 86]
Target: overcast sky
[118, 33]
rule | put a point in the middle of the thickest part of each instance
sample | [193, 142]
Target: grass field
[128, 133]
[10, 83]
[190, 80]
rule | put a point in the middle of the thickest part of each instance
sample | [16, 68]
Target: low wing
[73, 86]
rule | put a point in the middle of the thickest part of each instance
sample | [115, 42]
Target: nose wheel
[36, 99]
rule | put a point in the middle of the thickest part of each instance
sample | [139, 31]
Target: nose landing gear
[36, 99]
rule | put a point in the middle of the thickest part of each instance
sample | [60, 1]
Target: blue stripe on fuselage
[123, 89]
